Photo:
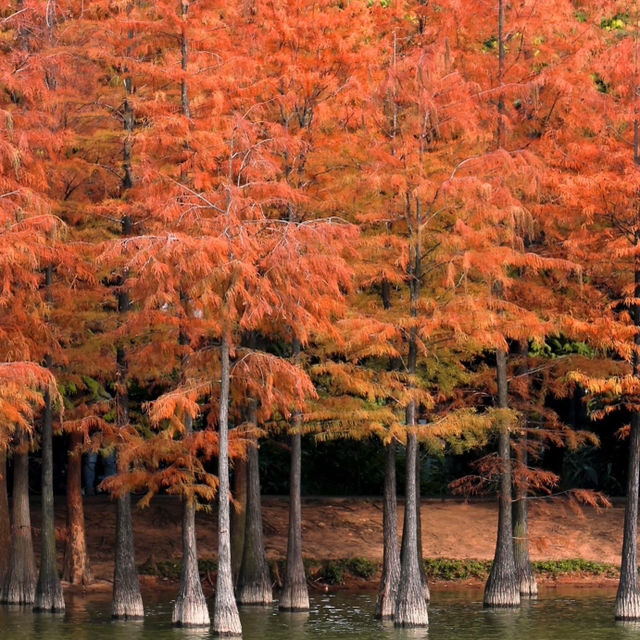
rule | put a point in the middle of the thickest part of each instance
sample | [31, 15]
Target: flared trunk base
[18, 591]
[628, 604]
[411, 606]
[49, 597]
[255, 594]
[191, 611]
[502, 595]
[127, 606]
[386, 603]
[528, 586]
[294, 598]
[226, 621]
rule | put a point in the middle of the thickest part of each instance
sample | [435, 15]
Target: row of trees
[360, 218]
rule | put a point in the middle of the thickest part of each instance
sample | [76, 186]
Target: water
[557, 615]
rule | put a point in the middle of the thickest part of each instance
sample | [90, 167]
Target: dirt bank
[347, 528]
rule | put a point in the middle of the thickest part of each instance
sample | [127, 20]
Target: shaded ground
[347, 528]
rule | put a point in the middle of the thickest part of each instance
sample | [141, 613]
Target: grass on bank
[337, 572]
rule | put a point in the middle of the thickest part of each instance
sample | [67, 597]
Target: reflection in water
[556, 615]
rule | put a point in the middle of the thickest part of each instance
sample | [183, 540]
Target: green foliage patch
[575, 565]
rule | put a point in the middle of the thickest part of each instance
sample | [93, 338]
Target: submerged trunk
[238, 516]
[502, 588]
[628, 596]
[127, 601]
[295, 594]
[254, 585]
[5, 519]
[48, 590]
[411, 606]
[76, 561]
[190, 608]
[388, 591]
[226, 621]
[423, 575]
[524, 570]
[20, 582]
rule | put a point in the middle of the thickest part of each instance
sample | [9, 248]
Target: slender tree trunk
[48, 590]
[76, 561]
[190, 608]
[411, 606]
[502, 588]
[524, 570]
[295, 594]
[628, 596]
[20, 582]
[226, 621]
[5, 519]
[423, 575]
[388, 591]
[238, 516]
[254, 585]
[127, 601]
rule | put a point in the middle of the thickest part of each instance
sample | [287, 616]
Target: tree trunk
[386, 602]
[295, 594]
[238, 516]
[502, 588]
[423, 575]
[190, 608]
[628, 596]
[411, 606]
[226, 621]
[20, 582]
[254, 585]
[48, 590]
[127, 601]
[76, 561]
[5, 519]
[524, 570]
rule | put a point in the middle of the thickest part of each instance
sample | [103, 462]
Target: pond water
[557, 615]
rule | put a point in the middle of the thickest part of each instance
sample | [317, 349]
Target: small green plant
[362, 568]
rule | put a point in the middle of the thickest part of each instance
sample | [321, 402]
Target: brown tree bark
[20, 581]
[388, 591]
[524, 570]
[127, 600]
[628, 595]
[76, 568]
[49, 589]
[5, 519]
[238, 516]
[502, 588]
[295, 594]
[254, 584]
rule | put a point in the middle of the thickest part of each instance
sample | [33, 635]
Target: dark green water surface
[585, 614]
